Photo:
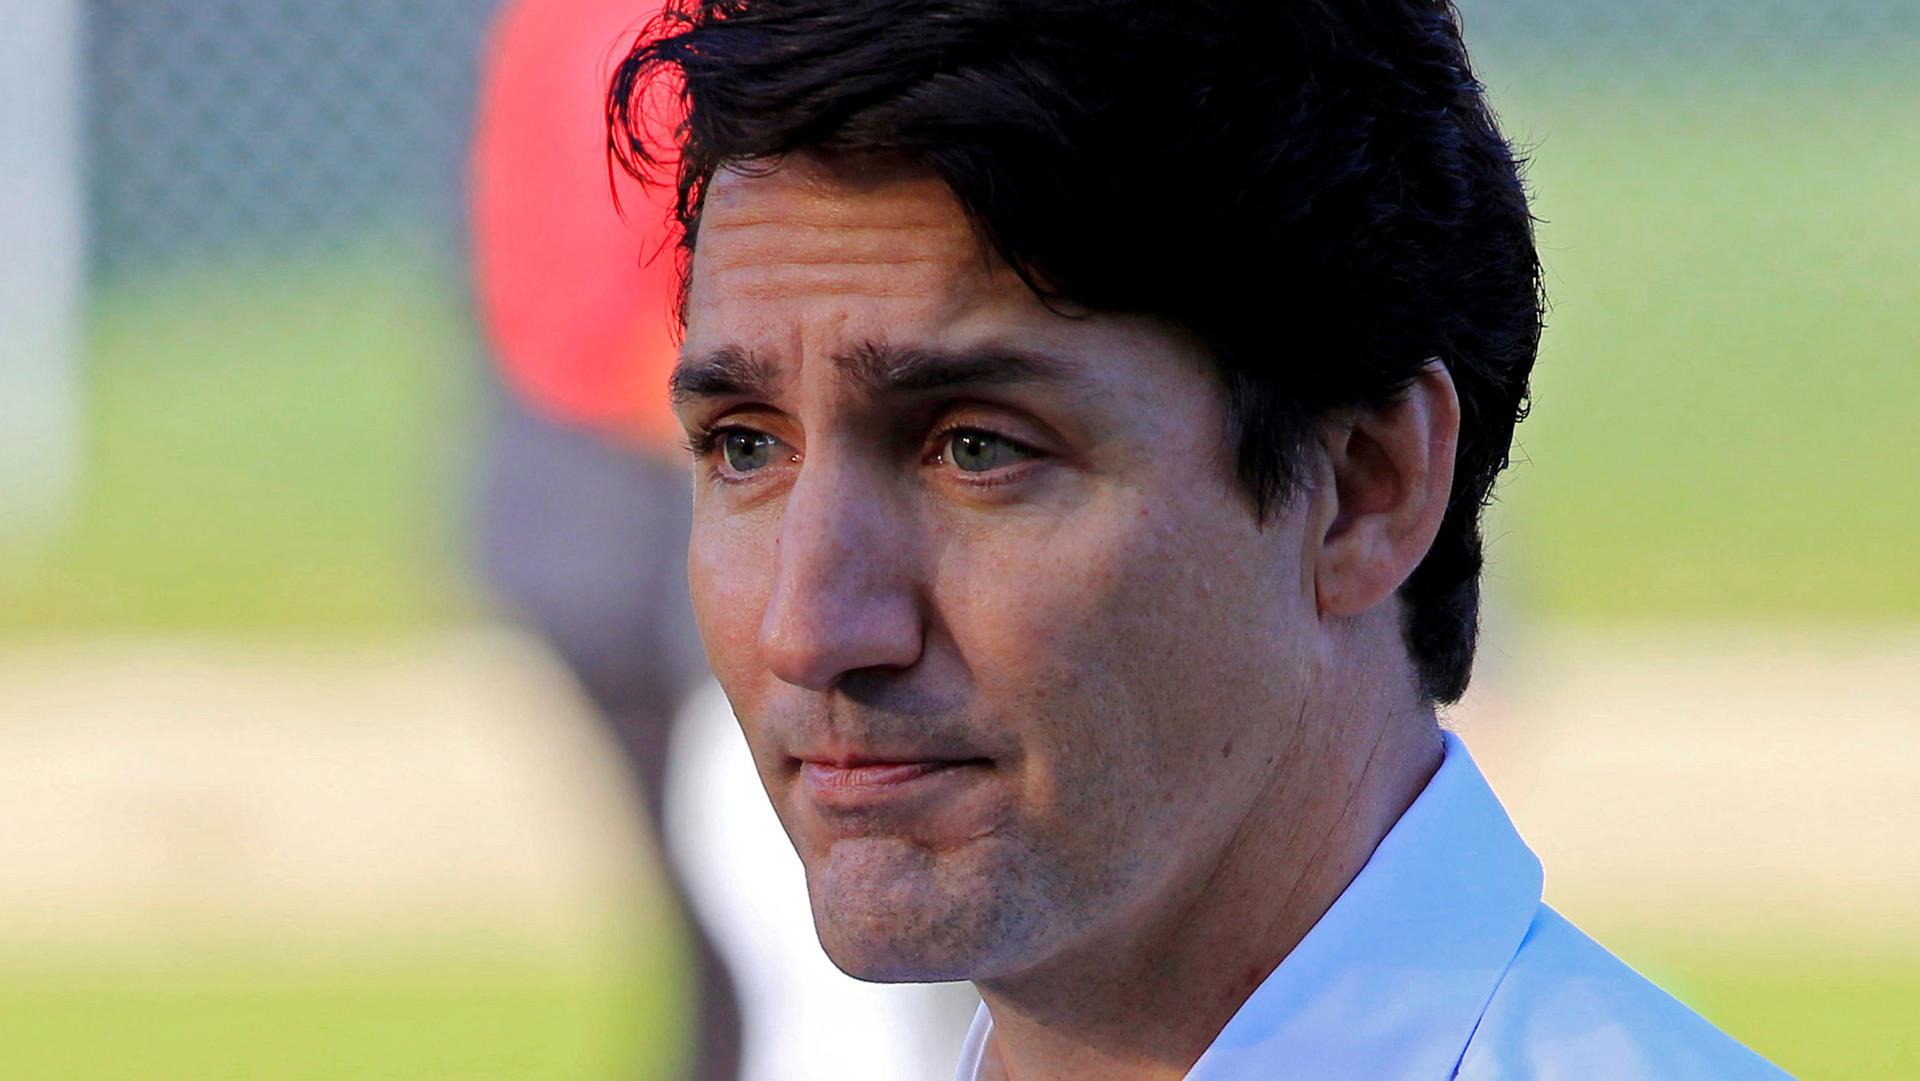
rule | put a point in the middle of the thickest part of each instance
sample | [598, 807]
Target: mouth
[855, 783]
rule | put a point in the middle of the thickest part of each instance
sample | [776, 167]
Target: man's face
[1013, 655]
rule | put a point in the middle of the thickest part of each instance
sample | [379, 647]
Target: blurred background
[285, 796]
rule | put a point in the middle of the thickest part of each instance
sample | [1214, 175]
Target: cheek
[730, 574]
[1127, 648]
[1068, 633]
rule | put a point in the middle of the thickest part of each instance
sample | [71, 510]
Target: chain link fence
[1691, 31]
[219, 126]
[1728, 211]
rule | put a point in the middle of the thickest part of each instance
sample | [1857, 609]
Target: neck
[1144, 1003]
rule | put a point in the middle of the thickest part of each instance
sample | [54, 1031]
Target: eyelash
[942, 436]
[705, 441]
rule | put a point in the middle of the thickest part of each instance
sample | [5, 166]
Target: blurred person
[585, 515]
[1092, 408]
[581, 510]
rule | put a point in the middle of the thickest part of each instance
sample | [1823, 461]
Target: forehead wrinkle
[786, 243]
[748, 268]
[775, 287]
[839, 223]
[800, 216]
[723, 266]
[800, 189]
[779, 213]
[841, 267]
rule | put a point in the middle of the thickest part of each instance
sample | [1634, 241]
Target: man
[1092, 404]
[584, 532]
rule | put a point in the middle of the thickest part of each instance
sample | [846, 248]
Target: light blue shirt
[1440, 961]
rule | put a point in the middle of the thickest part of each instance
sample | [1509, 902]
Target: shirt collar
[1394, 977]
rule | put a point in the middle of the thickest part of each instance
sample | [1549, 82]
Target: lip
[858, 784]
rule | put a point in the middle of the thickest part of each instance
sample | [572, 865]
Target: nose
[845, 596]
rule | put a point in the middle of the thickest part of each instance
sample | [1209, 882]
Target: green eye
[980, 452]
[746, 451]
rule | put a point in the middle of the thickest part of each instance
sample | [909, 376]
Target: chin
[889, 912]
[881, 960]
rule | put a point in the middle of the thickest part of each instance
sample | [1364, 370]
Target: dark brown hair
[1316, 188]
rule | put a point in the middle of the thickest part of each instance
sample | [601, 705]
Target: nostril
[837, 609]
[820, 647]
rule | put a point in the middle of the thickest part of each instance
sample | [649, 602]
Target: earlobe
[1392, 475]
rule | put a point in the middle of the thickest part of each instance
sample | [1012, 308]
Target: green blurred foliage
[266, 446]
[412, 1016]
[1817, 1010]
[1723, 421]
[1722, 424]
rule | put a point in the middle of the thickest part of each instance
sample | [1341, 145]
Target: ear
[1392, 473]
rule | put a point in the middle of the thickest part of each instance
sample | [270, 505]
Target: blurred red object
[577, 299]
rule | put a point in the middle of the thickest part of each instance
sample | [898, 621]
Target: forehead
[813, 251]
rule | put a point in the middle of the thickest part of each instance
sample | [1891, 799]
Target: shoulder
[1567, 1009]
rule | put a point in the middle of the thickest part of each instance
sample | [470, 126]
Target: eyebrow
[876, 367]
[725, 372]
[880, 368]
